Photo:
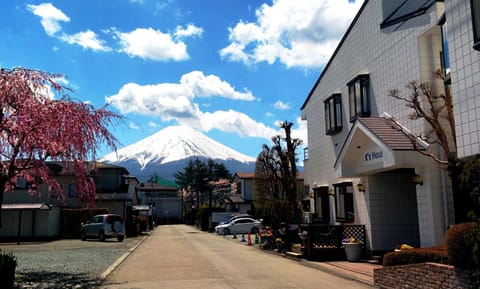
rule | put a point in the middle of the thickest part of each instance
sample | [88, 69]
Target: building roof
[391, 133]
[235, 200]
[245, 175]
[26, 206]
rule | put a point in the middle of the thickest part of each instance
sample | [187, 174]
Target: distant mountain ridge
[169, 150]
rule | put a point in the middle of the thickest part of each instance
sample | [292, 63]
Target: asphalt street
[180, 256]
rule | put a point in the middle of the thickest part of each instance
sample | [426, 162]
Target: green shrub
[417, 255]
[461, 244]
[7, 260]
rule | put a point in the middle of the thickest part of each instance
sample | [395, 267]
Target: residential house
[361, 165]
[38, 215]
[163, 198]
[243, 192]
[241, 195]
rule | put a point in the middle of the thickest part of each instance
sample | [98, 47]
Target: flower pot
[353, 251]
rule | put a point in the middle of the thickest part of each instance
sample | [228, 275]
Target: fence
[325, 241]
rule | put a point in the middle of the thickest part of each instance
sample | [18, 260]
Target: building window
[71, 190]
[305, 153]
[475, 8]
[333, 114]
[359, 97]
[344, 202]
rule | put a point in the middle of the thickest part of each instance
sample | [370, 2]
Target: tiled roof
[390, 133]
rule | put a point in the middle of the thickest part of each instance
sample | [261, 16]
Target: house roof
[384, 131]
[235, 200]
[26, 206]
[391, 133]
[245, 175]
[300, 176]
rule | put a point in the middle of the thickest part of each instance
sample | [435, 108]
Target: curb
[119, 261]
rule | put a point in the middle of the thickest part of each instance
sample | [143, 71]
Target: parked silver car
[103, 227]
[239, 226]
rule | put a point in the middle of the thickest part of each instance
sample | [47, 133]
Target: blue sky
[230, 68]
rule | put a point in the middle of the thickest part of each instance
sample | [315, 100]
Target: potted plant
[8, 263]
[353, 249]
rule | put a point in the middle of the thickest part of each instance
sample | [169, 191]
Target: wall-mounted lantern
[417, 180]
[360, 188]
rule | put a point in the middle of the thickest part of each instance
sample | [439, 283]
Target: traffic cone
[234, 235]
[249, 240]
[243, 238]
[257, 240]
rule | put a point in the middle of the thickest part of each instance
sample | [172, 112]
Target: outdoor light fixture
[360, 188]
[331, 192]
[417, 180]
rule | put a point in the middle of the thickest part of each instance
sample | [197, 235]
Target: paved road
[179, 256]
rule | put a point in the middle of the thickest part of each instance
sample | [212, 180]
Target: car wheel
[120, 238]
[83, 236]
[254, 230]
[226, 231]
[101, 236]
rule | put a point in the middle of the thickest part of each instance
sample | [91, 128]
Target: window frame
[344, 205]
[333, 114]
[475, 9]
[359, 97]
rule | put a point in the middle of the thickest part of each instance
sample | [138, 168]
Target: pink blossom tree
[39, 124]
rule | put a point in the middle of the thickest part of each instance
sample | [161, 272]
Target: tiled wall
[465, 66]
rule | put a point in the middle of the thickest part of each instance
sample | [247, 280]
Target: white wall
[465, 73]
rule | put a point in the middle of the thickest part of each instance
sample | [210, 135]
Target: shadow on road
[42, 279]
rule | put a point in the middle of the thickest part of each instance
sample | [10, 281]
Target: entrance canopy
[376, 144]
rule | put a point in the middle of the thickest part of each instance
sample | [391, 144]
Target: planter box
[353, 251]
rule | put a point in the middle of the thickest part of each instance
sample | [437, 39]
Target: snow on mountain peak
[174, 143]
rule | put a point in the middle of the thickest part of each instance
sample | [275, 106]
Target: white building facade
[362, 167]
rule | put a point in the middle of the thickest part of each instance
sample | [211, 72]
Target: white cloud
[86, 39]
[133, 125]
[151, 44]
[299, 131]
[151, 124]
[212, 85]
[176, 101]
[281, 105]
[234, 121]
[190, 30]
[50, 15]
[300, 33]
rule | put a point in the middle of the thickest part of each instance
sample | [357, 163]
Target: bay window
[359, 97]
[333, 114]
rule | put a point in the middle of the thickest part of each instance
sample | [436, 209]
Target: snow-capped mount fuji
[168, 151]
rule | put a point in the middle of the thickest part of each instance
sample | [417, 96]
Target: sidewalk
[359, 271]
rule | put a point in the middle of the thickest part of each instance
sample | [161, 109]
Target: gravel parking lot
[66, 263]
